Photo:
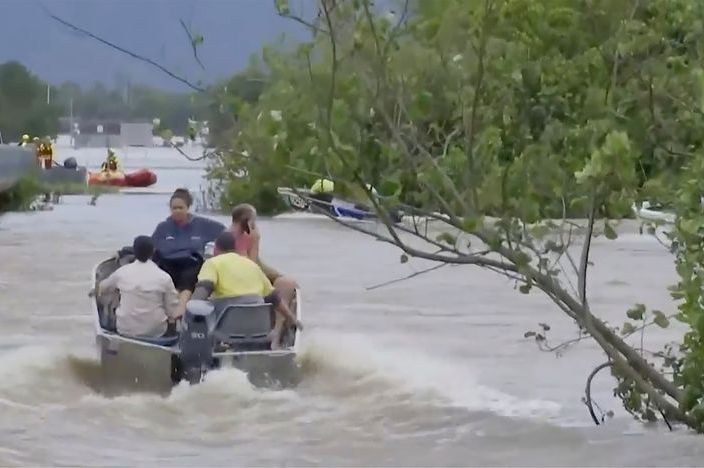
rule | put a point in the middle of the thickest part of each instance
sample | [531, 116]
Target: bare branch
[123, 50]
[397, 27]
[584, 259]
[298, 19]
[192, 41]
[205, 155]
[407, 277]
[588, 390]
[471, 131]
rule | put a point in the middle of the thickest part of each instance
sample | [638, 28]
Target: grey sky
[233, 30]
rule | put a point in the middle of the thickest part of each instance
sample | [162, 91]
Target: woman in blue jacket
[179, 243]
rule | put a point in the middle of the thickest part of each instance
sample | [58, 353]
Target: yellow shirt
[234, 275]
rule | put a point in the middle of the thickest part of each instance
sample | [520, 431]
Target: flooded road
[433, 371]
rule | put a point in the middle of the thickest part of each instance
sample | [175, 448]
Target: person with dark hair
[232, 275]
[180, 242]
[148, 298]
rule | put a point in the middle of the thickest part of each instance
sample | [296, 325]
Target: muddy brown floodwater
[433, 371]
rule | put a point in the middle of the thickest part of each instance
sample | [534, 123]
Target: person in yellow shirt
[230, 274]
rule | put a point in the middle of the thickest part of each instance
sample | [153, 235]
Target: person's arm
[109, 284]
[210, 229]
[255, 235]
[207, 281]
[159, 239]
[170, 299]
[266, 286]
[158, 233]
[268, 271]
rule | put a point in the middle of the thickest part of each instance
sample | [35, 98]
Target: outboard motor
[196, 340]
[70, 163]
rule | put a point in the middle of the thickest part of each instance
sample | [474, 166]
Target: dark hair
[182, 194]
[143, 248]
[242, 212]
[225, 242]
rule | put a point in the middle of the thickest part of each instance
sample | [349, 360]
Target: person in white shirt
[148, 298]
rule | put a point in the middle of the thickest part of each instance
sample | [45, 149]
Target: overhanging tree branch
[134, 55]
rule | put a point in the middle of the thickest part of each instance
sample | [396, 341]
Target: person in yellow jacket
[45, 152]
[322, 193]
[321, 186]
[111, 164]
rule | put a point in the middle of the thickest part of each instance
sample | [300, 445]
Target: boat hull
[141, 178]
[127, 367]
[306, 201]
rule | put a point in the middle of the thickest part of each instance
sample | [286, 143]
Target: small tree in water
[499, 121]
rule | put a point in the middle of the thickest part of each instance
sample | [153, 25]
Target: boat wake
[342, 374]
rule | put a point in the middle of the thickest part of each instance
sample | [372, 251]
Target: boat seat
[243, 323]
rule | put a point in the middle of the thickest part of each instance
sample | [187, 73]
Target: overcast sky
[233, 30]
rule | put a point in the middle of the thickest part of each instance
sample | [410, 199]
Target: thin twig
[123, 50]
[588, 391]
[194, 46]
[407, 277]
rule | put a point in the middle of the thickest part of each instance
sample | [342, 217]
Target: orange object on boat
[139, 178]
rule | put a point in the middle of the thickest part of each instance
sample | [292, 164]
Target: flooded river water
[433, 371]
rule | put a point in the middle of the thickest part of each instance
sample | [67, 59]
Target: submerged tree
[499, 120]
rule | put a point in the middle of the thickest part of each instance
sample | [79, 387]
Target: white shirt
[147, 298]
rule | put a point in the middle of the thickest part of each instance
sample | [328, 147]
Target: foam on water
[437, 381]
[341, 369]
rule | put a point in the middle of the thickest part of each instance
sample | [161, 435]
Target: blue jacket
[174, 242]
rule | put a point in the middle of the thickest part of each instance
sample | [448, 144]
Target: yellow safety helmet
[323, 186]
[25, 137]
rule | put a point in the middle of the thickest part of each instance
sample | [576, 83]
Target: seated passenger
[147, 294]
[229, 274]
[247, 236]
[180, 244]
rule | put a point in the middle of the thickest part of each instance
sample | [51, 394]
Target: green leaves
[282, 7]
[636, 313]
[197, 39]
[660, 319]
[627, 328]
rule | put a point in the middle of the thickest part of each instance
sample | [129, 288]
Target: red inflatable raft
[139, 178]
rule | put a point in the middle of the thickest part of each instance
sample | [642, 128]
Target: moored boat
[214, 334]
[650, 212]
[304, 200]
